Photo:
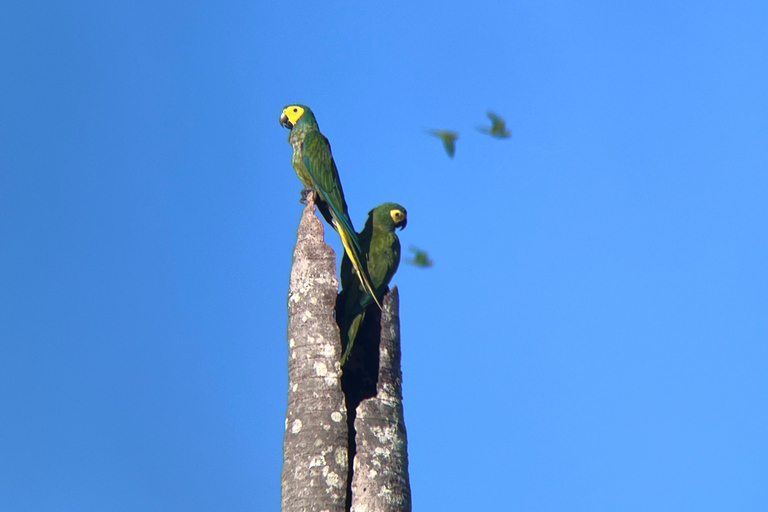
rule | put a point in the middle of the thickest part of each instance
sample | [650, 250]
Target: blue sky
[591, 337]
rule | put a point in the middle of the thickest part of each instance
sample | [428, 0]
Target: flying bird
[498, 127]
[449, 139]
[420, 258]
[382, 253]
[314, 165]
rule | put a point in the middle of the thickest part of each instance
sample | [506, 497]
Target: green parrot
[420, 258]
[449, 139]
[498, 127]
[382, 248]
[314, 165]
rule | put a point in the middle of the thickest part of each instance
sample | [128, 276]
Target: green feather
[420, 258]
[314, 165]
[498, 127]
[382, 250]
[449, 140]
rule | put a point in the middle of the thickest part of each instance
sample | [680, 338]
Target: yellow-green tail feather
[351, 334]
[354, 257]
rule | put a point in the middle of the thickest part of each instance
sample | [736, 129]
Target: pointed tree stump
[380, 478]
[316, 476]
[315, 454]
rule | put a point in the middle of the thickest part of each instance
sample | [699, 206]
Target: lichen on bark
[315, 472]
[380, 480]
[316, 447]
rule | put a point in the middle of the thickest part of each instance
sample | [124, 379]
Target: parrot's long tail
[350, 333]
[354, 257]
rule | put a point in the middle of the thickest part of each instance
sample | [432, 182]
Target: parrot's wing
[319, 162]
[325, 177]
[449, 145]
[496, 121]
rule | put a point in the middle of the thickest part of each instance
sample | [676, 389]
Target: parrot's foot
[308, 197]
[305, 195]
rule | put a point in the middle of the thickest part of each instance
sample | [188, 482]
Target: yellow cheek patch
[294, 113]
[397, 215]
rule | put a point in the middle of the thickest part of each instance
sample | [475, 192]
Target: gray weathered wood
[380, 477]
[314, 477]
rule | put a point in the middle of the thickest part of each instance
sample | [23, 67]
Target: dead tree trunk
[315, 444]
[316, 475]
[380, 478]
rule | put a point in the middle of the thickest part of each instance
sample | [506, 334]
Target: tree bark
[315, 457]
[380, 478]
[316, 476]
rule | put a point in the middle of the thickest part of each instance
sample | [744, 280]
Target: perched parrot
[313, 163]
[382, 248]
[498, 127]
[420, 258]
[449, 139]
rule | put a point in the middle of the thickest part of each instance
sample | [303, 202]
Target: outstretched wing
[497, 123]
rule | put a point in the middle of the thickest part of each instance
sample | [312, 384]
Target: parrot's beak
[285, 122]
[402, 224]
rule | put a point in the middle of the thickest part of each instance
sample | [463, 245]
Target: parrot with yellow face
[382, 250]
[314, 165]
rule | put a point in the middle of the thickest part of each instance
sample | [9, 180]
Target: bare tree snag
[315, 457]
[380, 477]
[320, 441]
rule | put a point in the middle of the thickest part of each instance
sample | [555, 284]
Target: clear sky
[592, 337]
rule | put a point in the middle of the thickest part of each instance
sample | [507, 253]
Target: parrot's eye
[396, 215]
[293, 113]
